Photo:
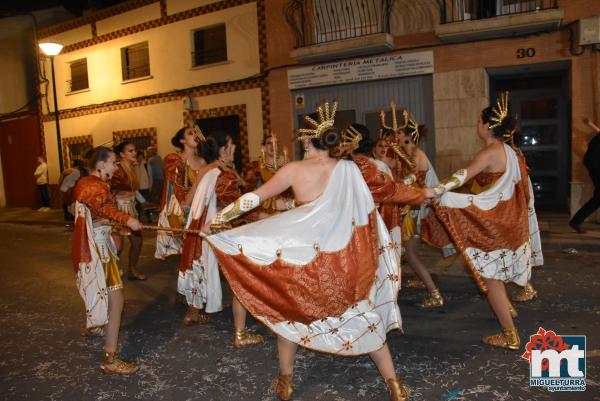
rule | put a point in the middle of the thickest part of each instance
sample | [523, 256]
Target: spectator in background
[591, 160]
[41, 179]
[66, 183]
[156, 174]
[142, 175]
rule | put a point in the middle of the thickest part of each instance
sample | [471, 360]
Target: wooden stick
[158, 228]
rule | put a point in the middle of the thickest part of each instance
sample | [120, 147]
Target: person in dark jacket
[591, 161]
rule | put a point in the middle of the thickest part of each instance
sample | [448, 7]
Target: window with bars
[79, 75]
[210, 45]
[77, 151]
[135, 61]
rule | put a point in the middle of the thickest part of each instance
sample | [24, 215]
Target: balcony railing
[322, 21]
[467, 10]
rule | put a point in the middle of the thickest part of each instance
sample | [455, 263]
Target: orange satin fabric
[484, 181]
[506, 226]
[124, 180]
[391, 213]
[174, 170]
[227, 190]
[192, 244]
[326, 286]
[382, 186]
[96, 195]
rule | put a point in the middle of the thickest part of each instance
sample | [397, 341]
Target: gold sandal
[527, 293]
[244, 338]
[283, 386]
[508, 338]
[193, 316]
[112, 364]
[398, 390]
[433, 300]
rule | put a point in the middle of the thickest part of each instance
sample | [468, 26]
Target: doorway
[540, 98]
[20, 146]
[218, 127]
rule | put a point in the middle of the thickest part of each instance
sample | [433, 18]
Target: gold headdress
[395, 125]
[350, 139]
[412, 128]
[499, 111]
[198, 133]
[326, 121]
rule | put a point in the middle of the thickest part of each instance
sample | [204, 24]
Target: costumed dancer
[495, 228]
[180, 170]
[199, 281]
[125, 186]
[94, 255]
[423, 175]
[386, 192]
[272, 158]
[322, 275]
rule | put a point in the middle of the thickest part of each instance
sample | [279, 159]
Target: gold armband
[455, 181]
[241, 205]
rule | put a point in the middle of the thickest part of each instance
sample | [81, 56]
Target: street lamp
[51, 50]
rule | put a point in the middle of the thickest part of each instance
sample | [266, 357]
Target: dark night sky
[76, 7]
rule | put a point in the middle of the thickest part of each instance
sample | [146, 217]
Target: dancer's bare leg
[498, 300]
[111, 363]
[239, 314]
[383, 360]
[243, 337]
[135, 239]
[412, 246]
[115, 308]
[287, 354]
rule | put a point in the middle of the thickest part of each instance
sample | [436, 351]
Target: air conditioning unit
[589, 31]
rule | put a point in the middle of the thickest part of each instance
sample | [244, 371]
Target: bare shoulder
[421, 159]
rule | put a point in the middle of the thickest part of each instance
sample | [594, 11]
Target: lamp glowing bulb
[51, 49]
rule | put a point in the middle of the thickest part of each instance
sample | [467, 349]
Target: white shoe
[42, 209]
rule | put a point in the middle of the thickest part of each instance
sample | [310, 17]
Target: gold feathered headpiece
[350, 139]
[326, 120]
[499, 111]
[395, 125]
[412, 128]
[198, 133]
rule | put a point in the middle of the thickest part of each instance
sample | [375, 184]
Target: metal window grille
[77, 151]
[322, 21]
[210, 46]
[465, 10]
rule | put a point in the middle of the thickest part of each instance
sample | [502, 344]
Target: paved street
[440, 354]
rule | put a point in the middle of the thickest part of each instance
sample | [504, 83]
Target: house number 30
[522, 53]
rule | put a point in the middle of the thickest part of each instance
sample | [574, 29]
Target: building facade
[249, 66]
[142, 69]
[472, 50]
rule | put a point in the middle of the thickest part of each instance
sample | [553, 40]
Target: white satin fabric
[91, 281]
[127, 205]
[431, 180]
[167, 245]
[201, 284]
[503, 264]
[327, 223]
[395, 232]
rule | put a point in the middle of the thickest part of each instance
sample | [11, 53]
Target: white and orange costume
[323, 275]
[496, 230]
